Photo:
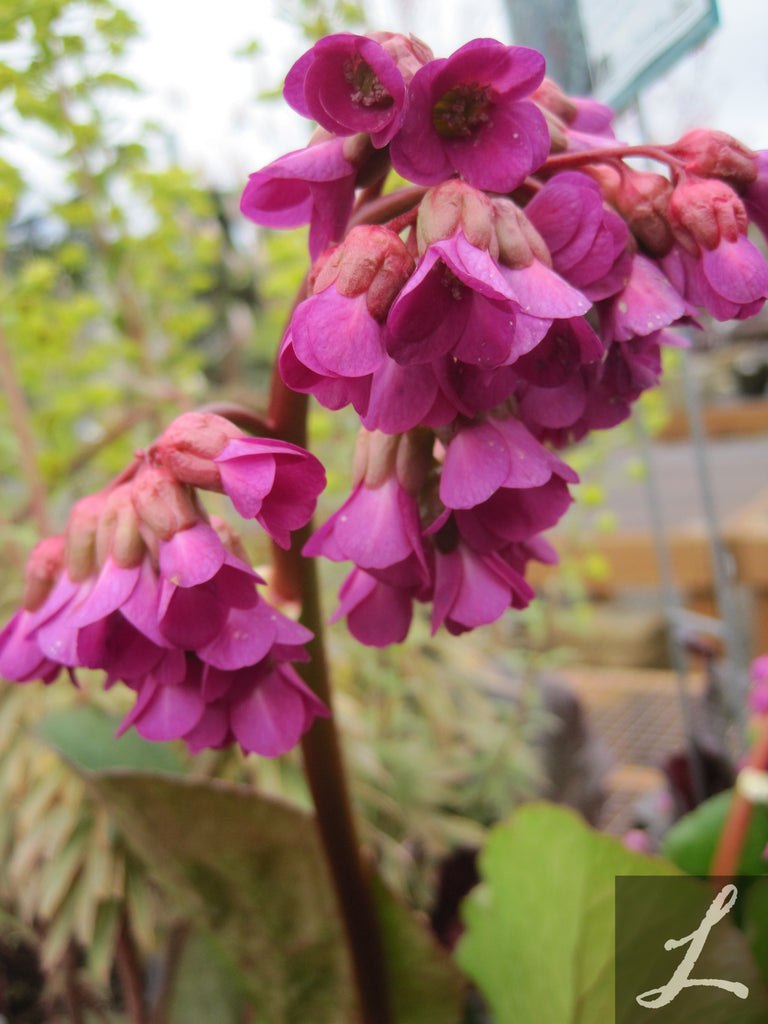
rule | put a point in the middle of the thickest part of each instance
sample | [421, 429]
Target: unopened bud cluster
[144, 585]
[516, 297]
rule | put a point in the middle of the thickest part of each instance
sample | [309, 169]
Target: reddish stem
[609, 155]
[295, 578]
[383, 209]
[725, 863]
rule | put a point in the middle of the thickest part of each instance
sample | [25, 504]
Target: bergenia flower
[274, 482]
[146, 588]
[730, 281]
[468, 114]
[649, 302]
[378, 613]
[586, 240]
[314, 186]
[378, 526]
[338, 332]
[473, 589]
[348, 84]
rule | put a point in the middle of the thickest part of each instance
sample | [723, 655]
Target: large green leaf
[540, 938]
[691, 842]
[85, 736]
[251, 871]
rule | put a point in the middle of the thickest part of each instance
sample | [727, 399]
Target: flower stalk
[295, 578]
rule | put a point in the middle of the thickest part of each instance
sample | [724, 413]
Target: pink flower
[348, 84]
[467, 114]
[473, 589]
[375, 528]
[265, 707]
[456, 302]
[730, 281]
[378, 613]
[587, 241]
[338, 332]
[649, 302]
[314, 186]
[146, 589]
[496, 455]
[274, 482]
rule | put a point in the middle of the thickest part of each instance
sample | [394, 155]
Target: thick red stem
[295, 579]
[725, 863]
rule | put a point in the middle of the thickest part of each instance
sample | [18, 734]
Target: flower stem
[295, 578]
[610, 154]
[725, 863]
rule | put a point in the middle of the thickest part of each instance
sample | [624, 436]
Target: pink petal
[191, 556]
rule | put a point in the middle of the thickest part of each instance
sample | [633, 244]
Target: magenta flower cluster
[515, 296]
[147, 587]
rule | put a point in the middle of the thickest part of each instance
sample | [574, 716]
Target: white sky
[207, 95]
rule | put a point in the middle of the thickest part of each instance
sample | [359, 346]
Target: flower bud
[43, 567]
[549, 96]
[712, 154]
[519, 241]
[642, 198]
[455, 206]
[81, 537]
[162, 503]
[708, 211]
[117, 532]
[558, 140]
[408, 52]
[190, 444]
[371, 259]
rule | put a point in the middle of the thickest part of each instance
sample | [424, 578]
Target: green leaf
[251, 870]
[85, 736]
[540, 930]
[691, 842]
[426, 985]
[205, 989]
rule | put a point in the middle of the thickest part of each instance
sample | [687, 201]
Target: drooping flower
[378, 526]
[472, 589]
[378, 613]
[314, 186]
[145, 587]
[587, 241]
[275, 482]
[338, 332]
[730, 281]
[480, 295]
[468, 114]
